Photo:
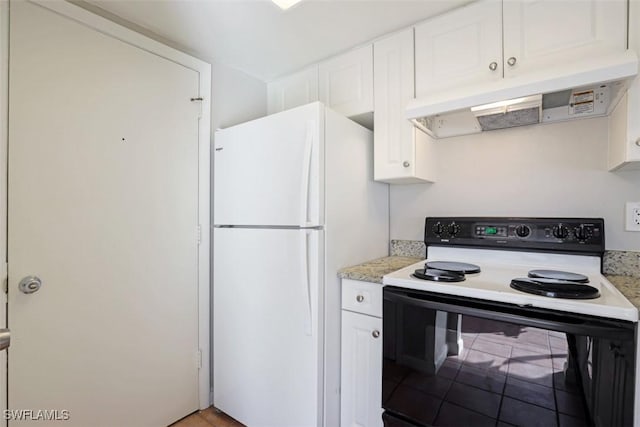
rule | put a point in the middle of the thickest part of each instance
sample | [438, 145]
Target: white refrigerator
[294, 201]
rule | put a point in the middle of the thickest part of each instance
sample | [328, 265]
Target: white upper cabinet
[293, 90]
[459, 48]
[346, 82]
[540, 34]
[490, 39]
[401, 151]
[624, 126]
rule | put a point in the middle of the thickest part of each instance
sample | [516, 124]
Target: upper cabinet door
[394, 88]
[459, 48]
[401, 154]
[293, 90]
[346, 82]
[540, 34]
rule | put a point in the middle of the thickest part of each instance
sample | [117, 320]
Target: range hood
[591, 88]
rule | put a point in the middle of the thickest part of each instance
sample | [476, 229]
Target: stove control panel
[583, 235]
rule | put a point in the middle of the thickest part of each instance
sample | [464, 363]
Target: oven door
[459, 361]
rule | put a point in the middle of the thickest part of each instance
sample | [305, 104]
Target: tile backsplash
[626, 263]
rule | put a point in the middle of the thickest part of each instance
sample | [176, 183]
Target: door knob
[5, 338]
[29, 285]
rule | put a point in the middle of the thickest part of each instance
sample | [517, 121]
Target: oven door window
[444, 367]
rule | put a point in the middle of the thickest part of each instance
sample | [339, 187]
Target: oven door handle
[561, 322]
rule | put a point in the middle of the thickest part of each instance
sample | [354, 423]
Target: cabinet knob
[375, 333]
[359, 298]
[493, 66]
[511, 61]
[406, 164]
[638, 142]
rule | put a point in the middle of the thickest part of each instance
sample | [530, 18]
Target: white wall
[236, 97]
[546, 170]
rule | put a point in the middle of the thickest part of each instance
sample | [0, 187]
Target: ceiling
[259, 38]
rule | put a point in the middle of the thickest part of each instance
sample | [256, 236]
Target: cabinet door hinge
[5, 279]
[199, 234]
[199, 358]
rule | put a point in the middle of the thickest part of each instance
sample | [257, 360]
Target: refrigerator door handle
[306, 170]
[305, 280]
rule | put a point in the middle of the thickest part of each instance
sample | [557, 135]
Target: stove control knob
[438, 228]
[582, 233]
[453, 229]
[560, 231]
[522, 231]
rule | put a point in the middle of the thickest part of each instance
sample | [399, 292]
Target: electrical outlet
[633, 216]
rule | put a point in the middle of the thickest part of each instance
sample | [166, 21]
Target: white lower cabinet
[361, 373]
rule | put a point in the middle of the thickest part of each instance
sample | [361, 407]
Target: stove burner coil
[554, 288]
[455, 267]
[560, 275]
[435, 275]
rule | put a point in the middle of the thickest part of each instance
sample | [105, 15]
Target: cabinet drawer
[362, 297]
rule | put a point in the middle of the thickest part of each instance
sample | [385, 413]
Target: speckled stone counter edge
[372, 271]
[623, 263]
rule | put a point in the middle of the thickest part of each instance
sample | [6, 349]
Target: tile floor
[507, 375]
[209, 417]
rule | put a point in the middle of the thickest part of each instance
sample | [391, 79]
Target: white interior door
[103, 199]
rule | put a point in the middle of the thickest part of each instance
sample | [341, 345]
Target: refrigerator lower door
[268, 171]
[267, 346]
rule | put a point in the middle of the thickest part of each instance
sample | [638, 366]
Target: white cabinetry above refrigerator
[346, 82]
[293, 90]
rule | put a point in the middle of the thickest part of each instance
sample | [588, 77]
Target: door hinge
[199, 101]
[199, 234]
[199, 359]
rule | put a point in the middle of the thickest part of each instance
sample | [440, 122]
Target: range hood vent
[573, 92]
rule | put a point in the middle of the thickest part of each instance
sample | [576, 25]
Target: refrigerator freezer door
[267, 171]
[267, 365]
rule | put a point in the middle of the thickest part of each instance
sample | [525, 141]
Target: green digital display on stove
[491, 230]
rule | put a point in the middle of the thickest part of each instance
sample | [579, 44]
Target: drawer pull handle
[375, 333]
[359, 298]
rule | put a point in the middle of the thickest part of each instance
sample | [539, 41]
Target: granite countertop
[372, 271]
[629, 286]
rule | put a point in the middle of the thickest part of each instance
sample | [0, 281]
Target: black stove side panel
[584, 236]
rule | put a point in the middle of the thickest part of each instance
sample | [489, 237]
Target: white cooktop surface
[499, 267]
